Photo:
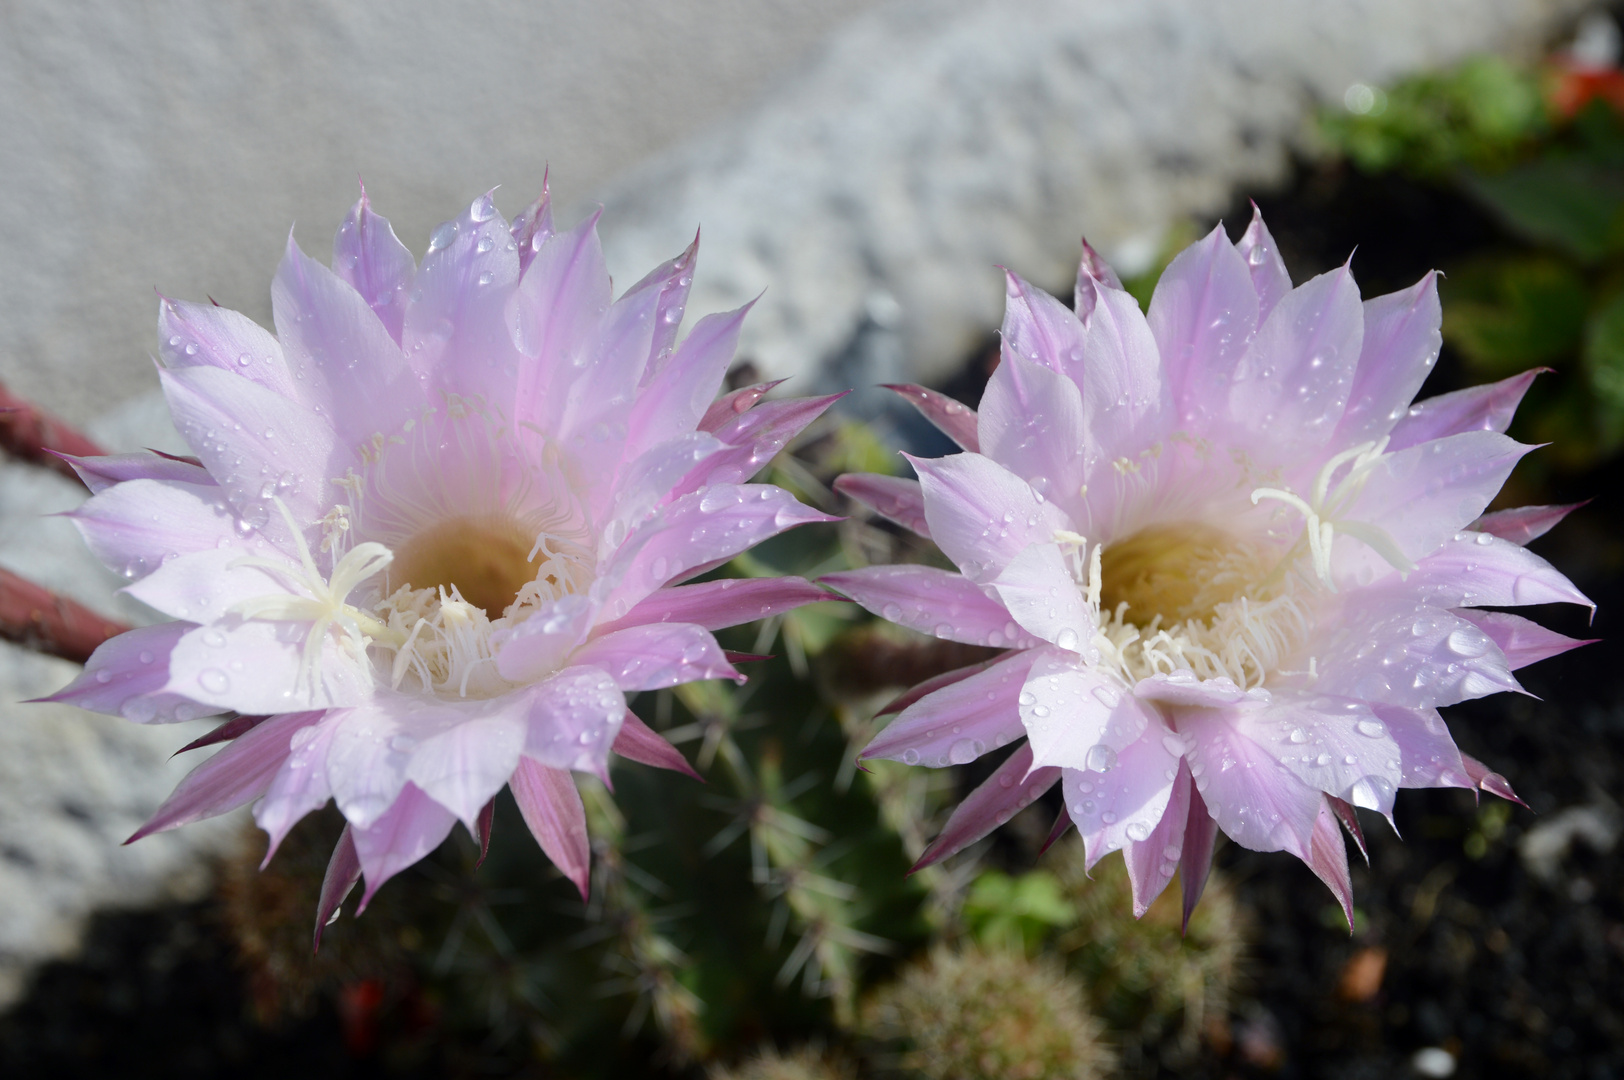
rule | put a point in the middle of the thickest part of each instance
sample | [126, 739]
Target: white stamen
[1320, 512]
[327, 604]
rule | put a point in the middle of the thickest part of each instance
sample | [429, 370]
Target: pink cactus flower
[434, 533]
[1235, 571]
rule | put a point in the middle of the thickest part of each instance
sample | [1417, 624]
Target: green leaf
[1479, 113]
[1016, 912]
[1568, 203]
[1507, 314]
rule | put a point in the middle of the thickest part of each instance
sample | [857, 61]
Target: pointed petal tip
[1096, 268]
[1062, 822]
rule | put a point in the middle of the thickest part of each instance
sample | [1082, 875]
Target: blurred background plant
[1541, 149]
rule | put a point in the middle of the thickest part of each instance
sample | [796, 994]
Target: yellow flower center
[1179, 572]
[487, 558]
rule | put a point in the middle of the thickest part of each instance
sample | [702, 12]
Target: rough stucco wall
[171, 145]
[937, 138]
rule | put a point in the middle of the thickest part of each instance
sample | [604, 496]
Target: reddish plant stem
[39, 619]
[30, 434]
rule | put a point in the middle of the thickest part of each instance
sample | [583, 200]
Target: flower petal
[257, 444]
[552, 808]
[931, 685]
[236, 775]
[540, 645]
[1125, 800]
[1421, 495]
[952, 418]
[1290, 388]
[575, 717]
[1477, 408]
[735, 403]
[1200, 837]
[1152, 860]
[139, 524]
[1031, 423]
[343, 871]
[1399, 652]
[413, 827]
[647, 482]
[1481, 570]
[372, 260]
[1203, 313]
[258, 667]
[657, 655]
[679, 394]
[344, 362]
[1522, 641]
[194, 335]
[1328, 858]
[602, 389]
[958, 722]
[981, 515]
[1524, 524]
[932, 601]
[1263, 263]
[1335, 745]
[463, 767]
[670, 282]
[1078, 717]
[716, 605]
[553, 315]
[1012, 787]
[203, 586]
[641, 743]
[454, 333]
[100, 473]
[1401, 346]
[895, 498]
[126, 676]
[1038, 589]
[1427, 754]
[696, 530]
[534, 225]
[753, 440]
[299, 786]
[1256, 801]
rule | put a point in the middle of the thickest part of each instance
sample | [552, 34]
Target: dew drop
[214, 681]
[1100, 758]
